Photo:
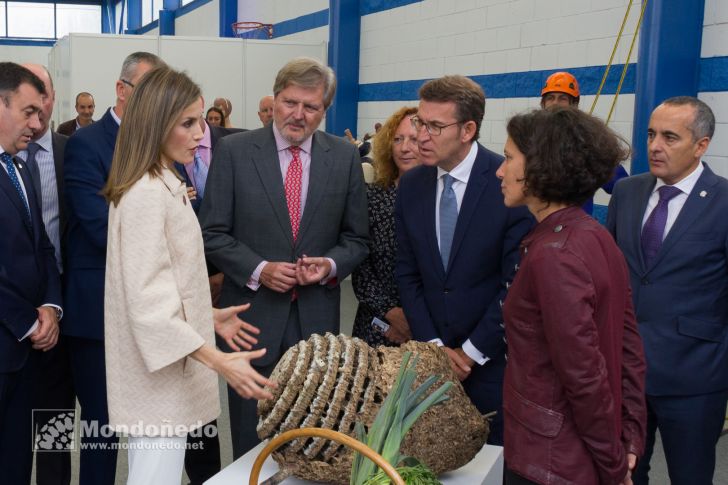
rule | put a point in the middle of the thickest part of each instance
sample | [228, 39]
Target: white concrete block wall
[312, 36]
[476, 37]
[273, 11]
[715, 44]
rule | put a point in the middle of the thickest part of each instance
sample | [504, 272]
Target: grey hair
[703, 124]
[129, 67]
[308, 73]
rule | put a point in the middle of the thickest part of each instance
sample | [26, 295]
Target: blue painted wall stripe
[28, 42]
[367, 7]
[507, 85]
[293, 26]
[713, 74]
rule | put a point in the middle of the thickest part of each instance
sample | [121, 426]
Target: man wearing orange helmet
[562, 89]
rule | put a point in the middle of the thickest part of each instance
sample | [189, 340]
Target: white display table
[485, 469]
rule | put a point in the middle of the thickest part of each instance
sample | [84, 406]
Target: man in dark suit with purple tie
[30, 287]
[671, 226]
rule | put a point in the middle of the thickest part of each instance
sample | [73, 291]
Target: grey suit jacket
[244, 220]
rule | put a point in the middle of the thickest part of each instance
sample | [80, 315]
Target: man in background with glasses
[457, 242]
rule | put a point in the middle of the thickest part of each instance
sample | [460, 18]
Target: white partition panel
[213, 63]
[263, 60]
[91, 62]
[240, 70]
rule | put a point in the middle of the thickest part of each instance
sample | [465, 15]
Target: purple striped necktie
[654, 230]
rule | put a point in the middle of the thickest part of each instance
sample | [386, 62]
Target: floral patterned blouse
[373, 281]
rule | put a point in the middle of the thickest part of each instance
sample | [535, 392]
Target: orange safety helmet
[561, 82]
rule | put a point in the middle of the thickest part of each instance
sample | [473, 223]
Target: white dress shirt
[675, 205]
[461, 174]
[285, 157]
[50, 208]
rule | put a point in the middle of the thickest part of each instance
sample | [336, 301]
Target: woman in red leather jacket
[573, 395]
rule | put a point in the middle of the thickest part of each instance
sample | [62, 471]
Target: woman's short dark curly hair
[569, 154]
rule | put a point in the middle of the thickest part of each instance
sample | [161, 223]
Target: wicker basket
[345, 440]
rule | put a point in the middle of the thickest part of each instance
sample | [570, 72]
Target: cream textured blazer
[157, 310]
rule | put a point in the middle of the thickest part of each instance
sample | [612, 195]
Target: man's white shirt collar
[687, 184]
[462, 171]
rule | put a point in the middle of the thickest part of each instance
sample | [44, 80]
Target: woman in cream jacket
[160, 354]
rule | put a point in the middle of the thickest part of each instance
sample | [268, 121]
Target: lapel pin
[703, 193]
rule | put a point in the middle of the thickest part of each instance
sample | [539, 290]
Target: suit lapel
[112, 130]
[319, 172]
[35, 212]
[476, 185]
[429, 201]
[694, 206]
[642, 197]
[14, 197]
[269, 170]
[59, 147]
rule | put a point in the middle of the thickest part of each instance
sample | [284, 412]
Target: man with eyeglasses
[86, 167]
[457, 242]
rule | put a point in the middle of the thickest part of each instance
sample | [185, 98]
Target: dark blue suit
[87, 163]
[28, 279]
[464, 302]
[681, 305]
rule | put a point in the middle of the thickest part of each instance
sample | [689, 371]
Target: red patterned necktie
[293, 189]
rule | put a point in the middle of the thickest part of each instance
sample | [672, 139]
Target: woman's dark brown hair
[569, 153]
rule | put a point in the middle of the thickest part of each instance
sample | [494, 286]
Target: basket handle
[330, 434]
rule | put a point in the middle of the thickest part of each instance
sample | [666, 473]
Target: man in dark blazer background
[54, 385]
[457, 242]
[285, 217]
[671, 226]
[30, 287]
[85, 106]
[87, 162]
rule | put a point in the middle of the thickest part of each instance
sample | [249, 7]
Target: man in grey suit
[286, 219]
[671, 226]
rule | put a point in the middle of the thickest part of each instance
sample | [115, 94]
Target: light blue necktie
[448, 218]
[199, 171]
[8, 161]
